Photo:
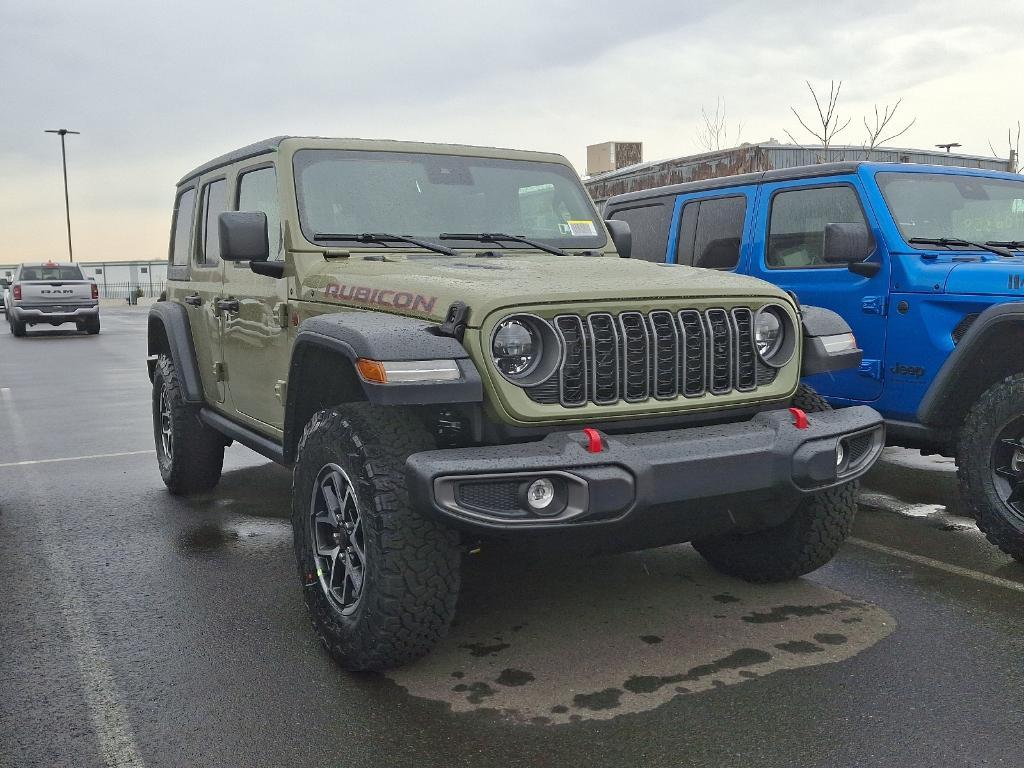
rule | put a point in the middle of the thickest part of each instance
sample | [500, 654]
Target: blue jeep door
[708, 228]
[788, 244]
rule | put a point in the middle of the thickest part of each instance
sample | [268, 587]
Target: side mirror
[621, 236]
[847, 243]
[243, 236]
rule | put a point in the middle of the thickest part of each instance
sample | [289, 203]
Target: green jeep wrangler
[448, 345]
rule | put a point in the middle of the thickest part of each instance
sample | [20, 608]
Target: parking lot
[143, 629]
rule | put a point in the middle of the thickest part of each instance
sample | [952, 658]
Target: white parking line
[75, 458]
[107, 710]
[995, 581]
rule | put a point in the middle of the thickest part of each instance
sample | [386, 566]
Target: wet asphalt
[140, 629]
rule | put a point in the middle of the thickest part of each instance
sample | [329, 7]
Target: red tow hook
[594, 442]
[799, 418]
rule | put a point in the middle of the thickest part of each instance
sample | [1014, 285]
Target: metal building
[766, 156]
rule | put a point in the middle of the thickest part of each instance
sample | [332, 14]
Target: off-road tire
[1000, 404]
[807, 540]
[197, 451]
[92, 327]
[18, 329]
[411, 577]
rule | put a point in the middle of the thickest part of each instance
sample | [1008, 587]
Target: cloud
[159, 88]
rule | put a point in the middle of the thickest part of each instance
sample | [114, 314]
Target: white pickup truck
[50, 293]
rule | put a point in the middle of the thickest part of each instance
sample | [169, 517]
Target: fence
[124, 289]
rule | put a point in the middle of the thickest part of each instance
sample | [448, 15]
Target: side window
[215, 202]
[257, 191]
[648, 225]
[796, 228]
[711, 232]
[182, 227]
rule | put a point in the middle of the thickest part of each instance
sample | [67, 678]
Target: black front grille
[857, 446]
[497, 496]
[634, 356]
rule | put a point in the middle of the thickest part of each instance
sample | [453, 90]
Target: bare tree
[713, 135]
[830, 122]
[882, 132]
[1013, 149]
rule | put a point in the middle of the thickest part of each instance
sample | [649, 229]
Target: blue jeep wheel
[990, 457]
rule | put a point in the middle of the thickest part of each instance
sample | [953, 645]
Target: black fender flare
[817, 323]
[172, 319]
[358, 334]
[968, 356]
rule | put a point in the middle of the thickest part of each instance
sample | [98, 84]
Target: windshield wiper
[1016, 245]
[498, 237]
[956, 241]
[385, 237]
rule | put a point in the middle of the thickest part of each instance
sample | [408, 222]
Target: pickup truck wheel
[18, 329]
[380, 579]
[92, 327]
[806, 541]
[990, 464]
[189, 453]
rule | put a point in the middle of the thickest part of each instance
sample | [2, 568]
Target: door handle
[193, 300]
[227, 305]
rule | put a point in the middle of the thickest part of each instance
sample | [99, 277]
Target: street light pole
[62, 132]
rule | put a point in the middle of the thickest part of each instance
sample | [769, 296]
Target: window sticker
[581, 228]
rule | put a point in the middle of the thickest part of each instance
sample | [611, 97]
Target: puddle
[587, 640]
[211, 536]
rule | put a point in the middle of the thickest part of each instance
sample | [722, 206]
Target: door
[708, 228]
[207, 275]
[254, 314]
[789, 244]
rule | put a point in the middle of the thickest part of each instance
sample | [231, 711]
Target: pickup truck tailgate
[40, 293]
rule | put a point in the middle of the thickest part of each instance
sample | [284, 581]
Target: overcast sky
[158, 88]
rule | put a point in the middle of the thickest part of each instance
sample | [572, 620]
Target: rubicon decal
[361, 294]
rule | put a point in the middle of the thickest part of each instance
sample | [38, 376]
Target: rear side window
[711, 232]
[51, 273]
[648, 226]
[182, 232]
[796, 230]
[257, 191]
[215, 202]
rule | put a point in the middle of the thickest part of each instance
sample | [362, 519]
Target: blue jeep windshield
[423, 195]
[960, 207]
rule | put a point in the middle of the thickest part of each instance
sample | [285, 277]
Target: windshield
[51, 273]
[940, 205]
[423, 195]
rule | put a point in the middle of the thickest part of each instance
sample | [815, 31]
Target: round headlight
[516, 348]
[769, 333]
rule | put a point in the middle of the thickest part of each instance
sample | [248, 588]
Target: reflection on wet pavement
[561, 642]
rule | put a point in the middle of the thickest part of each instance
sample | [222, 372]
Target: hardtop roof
[803, 172]
[274, 144]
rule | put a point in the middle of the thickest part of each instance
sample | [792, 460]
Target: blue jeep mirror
[847, 243]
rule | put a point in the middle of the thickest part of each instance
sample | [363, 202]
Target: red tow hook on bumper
[594, 442]
[799, 418]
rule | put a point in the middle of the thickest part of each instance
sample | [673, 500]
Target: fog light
[540, 494]
[840, 454]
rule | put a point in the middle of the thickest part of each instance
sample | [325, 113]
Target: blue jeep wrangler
[926, 264]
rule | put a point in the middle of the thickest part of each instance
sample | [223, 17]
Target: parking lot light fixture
[62, 132]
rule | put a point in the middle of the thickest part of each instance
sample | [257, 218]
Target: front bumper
[735, 468]
[54, 315]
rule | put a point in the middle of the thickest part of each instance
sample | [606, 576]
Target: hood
[1005, 277]
[425, 285]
